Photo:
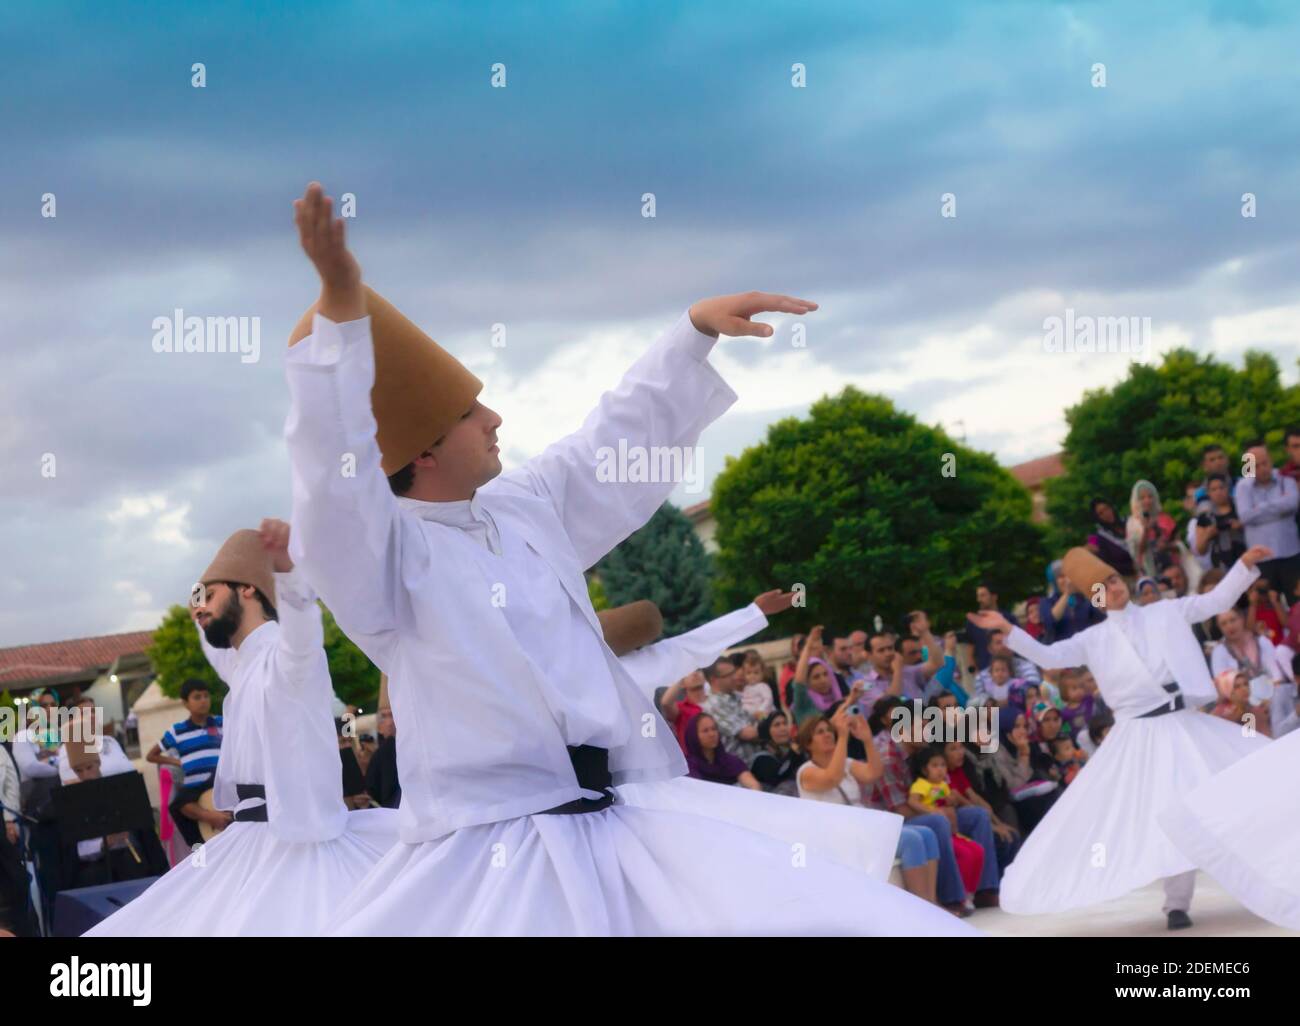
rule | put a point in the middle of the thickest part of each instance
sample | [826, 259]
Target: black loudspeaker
[77, 911]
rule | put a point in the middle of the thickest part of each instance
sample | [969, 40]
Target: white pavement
[1214, 914]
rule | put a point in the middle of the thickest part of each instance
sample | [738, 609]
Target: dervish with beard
[294, 850]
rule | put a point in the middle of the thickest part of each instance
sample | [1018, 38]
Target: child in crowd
[1001, 670]
[756, 696]
[931, 792]
[1069, 759]
[1077, 705]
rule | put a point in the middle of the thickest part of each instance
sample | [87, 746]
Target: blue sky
[522, 206]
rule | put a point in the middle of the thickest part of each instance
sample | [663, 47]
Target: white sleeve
[667, 398]
[346, 536]
[28, 763]
[302, 635]
[1073, 651]
[673, 658]
[1222, 597]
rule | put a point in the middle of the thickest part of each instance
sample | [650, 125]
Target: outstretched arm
[1070, 652]
[1223, 596]
[673, 658]
[607, 479]
[347, 531]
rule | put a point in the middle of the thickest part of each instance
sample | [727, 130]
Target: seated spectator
[815, 688]
[757, 696]
[193, 746]
[738, 728]
[1065, 611]
[891, 795]
[776, 766]
[1069, 759]
[1252, 654]
[1107, 539]
[1050, 725]
[1021, 668]
[831, 775]
[682, 702]
[1265, 613]
[960, 759]
[1030, 773]
[1235, 705]
[707, 759]
[931, 792]
[787, 671]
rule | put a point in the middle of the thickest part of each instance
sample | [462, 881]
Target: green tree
[873, 513]
[1153, 425]
[355, 678]
[176, 656]
[666, 563]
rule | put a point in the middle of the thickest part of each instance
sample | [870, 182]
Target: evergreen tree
[666, 563]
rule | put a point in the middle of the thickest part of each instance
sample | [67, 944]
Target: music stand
[103, 806]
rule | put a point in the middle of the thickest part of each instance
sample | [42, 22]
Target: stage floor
[1214, 914]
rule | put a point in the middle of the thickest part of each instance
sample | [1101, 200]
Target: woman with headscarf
[1152, 536]
[777, 765]
[1064, 612]
[815, 690]
[706, 759]
[1107, 539]
[1026, 771]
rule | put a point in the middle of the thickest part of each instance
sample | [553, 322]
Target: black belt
[592, 768]
[1173, 705]
[254, 813]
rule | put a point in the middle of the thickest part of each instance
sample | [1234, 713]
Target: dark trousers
[16, 913]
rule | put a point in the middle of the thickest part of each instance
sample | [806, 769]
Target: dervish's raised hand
[730, 315]
[323, 239]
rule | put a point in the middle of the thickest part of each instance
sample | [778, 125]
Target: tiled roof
[1035, 472]
[59, 659]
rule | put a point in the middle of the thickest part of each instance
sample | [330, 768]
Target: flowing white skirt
[1101, 839]
[1243, 828]
[246, 882]
[857, 837]
[630, 870]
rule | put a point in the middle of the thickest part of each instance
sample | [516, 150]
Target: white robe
[489, 683]
[1242, 826]
[282, 877]
[1101, 838]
